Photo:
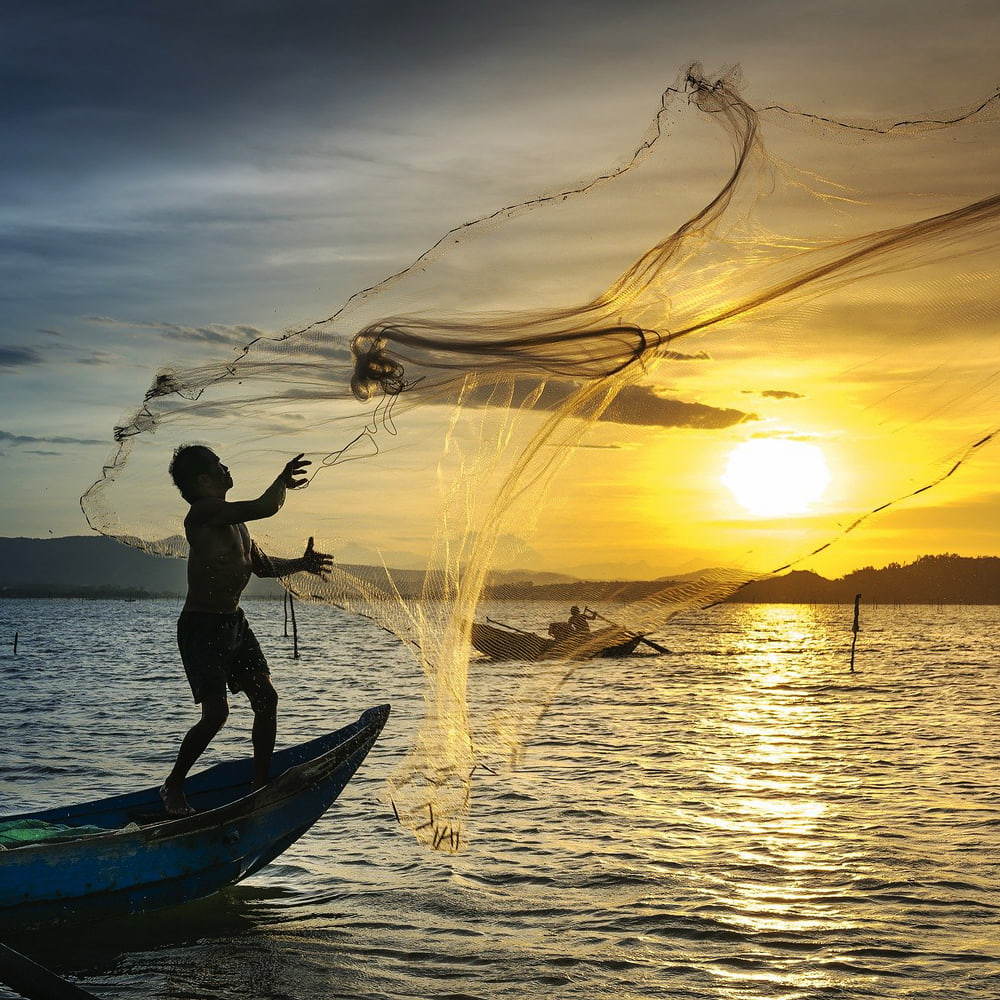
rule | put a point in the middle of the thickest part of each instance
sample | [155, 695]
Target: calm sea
[740, 819]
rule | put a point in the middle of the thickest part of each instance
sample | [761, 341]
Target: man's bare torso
[220, 563]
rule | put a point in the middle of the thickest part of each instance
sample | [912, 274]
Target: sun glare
[772, 476]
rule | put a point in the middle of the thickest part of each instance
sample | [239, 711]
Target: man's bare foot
[174, 801]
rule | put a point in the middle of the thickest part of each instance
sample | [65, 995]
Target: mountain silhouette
[92, 565]
[941, 579]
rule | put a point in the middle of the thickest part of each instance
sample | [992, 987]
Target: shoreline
[133, 597]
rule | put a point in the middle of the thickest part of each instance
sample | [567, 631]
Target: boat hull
[169, 861]
[500, 644]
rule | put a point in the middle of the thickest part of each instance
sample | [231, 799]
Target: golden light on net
[773, 476]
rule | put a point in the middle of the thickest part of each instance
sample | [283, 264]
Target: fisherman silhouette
[579, 621]
[217, 646]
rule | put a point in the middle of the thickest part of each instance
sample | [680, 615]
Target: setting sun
[773, 476]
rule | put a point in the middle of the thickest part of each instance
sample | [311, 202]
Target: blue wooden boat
[158, 861]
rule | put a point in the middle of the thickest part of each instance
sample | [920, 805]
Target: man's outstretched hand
[316, 562]
[293, 474]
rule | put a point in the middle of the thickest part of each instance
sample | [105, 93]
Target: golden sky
[177, 219]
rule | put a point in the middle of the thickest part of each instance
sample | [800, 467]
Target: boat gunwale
[279, 790]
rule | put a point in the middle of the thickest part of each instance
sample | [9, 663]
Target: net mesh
[576, 400]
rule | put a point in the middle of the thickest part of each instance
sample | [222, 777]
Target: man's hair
[188, 463]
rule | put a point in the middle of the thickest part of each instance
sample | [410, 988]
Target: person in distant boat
[579, 621]
[217, 647]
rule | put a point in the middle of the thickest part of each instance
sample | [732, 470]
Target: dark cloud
[49, 333]
[680, 356]
[331, 351]
[18, 357]
[773, 393]
[97, 358]
[20, 439]
[635, 405]
[213, 333]
[642, 406]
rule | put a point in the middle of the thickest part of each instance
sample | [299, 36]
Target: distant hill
[575, 591]
[95, 566]
[944, 579]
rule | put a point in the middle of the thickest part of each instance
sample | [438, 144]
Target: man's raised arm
[311, 561]
[211, 510]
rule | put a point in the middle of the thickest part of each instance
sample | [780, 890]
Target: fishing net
[638, 393]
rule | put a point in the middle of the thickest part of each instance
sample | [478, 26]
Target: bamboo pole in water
[295, 628]
[855, 628]
[34, 981]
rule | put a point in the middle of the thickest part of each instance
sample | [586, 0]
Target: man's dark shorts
[218, 650]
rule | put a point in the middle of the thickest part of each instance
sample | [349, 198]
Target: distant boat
[506, 643]
[160, 861]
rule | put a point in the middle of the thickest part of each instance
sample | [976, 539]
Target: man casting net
[727, 352]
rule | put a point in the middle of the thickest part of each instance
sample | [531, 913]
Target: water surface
[741, 819]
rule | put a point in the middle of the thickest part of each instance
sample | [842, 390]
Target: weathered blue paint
[169, 861]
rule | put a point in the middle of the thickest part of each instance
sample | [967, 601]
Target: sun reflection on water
[772, 793]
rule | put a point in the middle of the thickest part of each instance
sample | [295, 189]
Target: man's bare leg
[214, 712]
[264, 701]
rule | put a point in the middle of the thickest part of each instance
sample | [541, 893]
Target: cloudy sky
[180, 177]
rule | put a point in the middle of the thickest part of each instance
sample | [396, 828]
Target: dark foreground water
[740, 819]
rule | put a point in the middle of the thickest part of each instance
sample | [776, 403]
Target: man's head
[574, 610]
[198, 472]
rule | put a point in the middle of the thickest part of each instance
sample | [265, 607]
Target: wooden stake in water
[15, 644]
[856, 628]
[295, 629]
[284, 606]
